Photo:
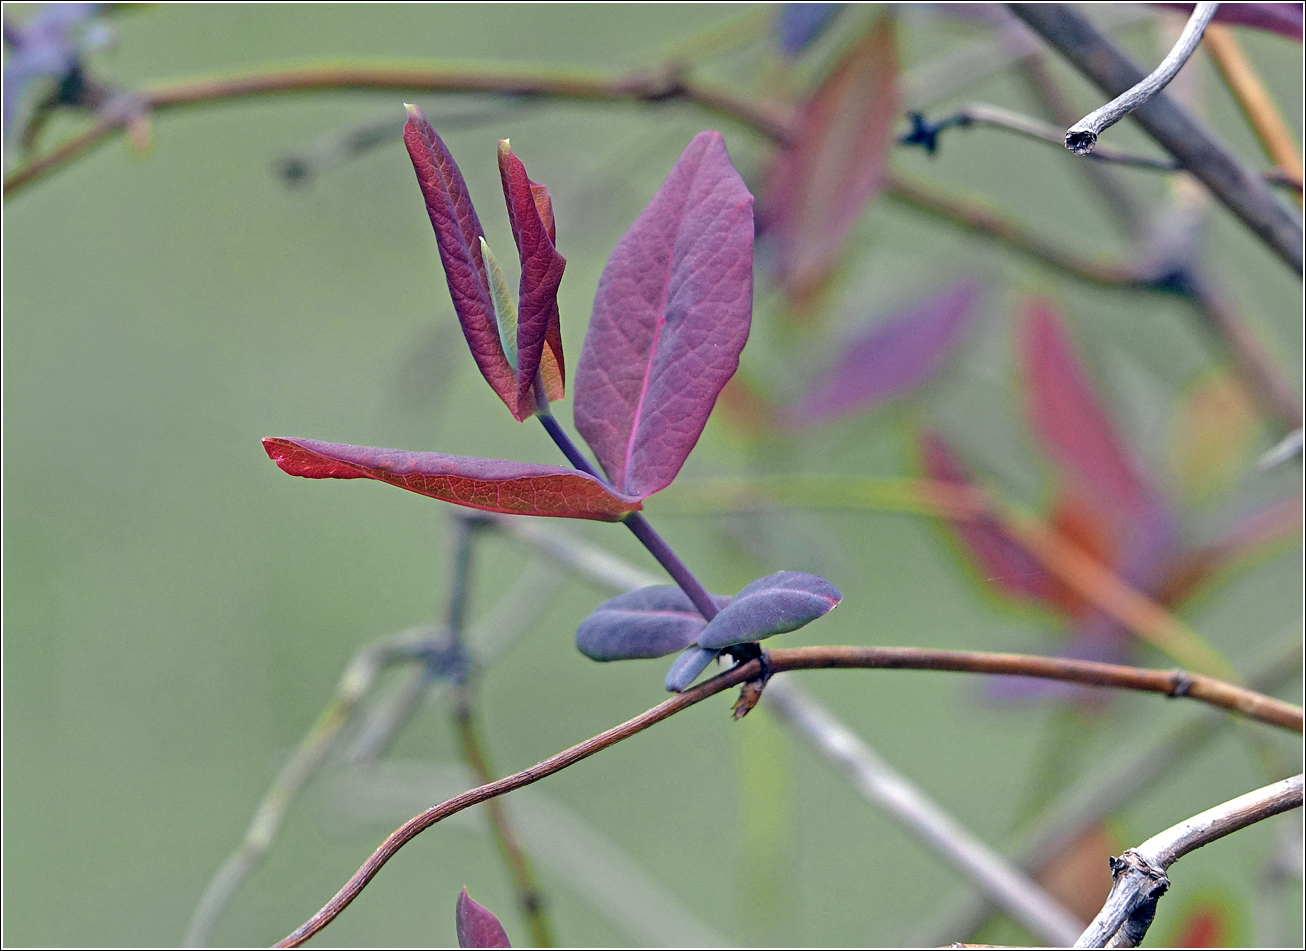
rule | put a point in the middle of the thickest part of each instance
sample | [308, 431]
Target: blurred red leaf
[492, 485]
[834, 162]
[1070, 423]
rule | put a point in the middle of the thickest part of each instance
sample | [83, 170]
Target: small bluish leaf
[650, 622]
[670, 318]
[892, 357]
[492, 485]
[776, 604]
[686, 668]
[477, 925]
[798, 25]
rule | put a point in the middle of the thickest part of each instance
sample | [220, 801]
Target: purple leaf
[776, 604]
[48, 46]
[799, 24]
[492, 485]
[1069, 421]
[650, 622]
[458, 232]
[530, 212]
[996, 555]
[670, 318]
[477, 926]
[893, 356]
[1282, 18]
[834, 162]
[687, 667]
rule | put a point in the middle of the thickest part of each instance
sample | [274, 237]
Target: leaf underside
[492, 485]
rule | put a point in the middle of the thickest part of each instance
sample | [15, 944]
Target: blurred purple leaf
[530, 212]
[686, 668]
[892, 357]
[477, 926]
[1282, 18]
[492, 485]
[798, 25]
[997, 557]
[670, 318]
[1069, 421]
[776, 604]
[833, 163]
[649, 622]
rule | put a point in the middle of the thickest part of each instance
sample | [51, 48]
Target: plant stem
[638, 525]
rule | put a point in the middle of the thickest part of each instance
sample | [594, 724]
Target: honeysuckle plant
[670, 318]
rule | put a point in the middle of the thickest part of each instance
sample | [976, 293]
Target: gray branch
[1177, 131]
[1082, 136]
[1139, 874]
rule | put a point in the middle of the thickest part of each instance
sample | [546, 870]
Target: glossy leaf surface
[670, 318]
[1069, 420]
[530, 212]
[686, 668]
[893, 356]
[776, 604]
[834, 163]
[477, 925]
[649, 622]
[492, 485]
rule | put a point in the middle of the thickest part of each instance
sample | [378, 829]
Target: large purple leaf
[996, 555]
[670, 318]
[834, 162]
[541, 272]
[1282, 18]
[1069, 420]
[477, 925]
[892, 357]
[492, 485]
[650, 622]
[776, 604]
[457, 233]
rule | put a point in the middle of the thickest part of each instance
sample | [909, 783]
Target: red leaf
[670, 318]
[530, 212]
[997, 556]
[477, 926]
[834, 162]
[891, 357]
[1069, 420]
[492, 485]
[458, 232]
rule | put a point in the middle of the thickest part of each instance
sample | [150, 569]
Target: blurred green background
[177, 612]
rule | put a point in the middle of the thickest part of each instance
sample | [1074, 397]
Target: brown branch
[1171, 683]
[1079, 42]
[658, 85]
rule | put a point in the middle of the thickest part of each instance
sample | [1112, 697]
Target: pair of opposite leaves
[671, 315]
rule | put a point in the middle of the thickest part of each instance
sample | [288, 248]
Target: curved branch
[659, 85]
[1171, 683]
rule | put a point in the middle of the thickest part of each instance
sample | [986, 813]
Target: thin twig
[1170, 683]
[1139, 874]
[1097, 795]
[1082, 136]
[1002, 883]
[1076, 39]
[658, 85]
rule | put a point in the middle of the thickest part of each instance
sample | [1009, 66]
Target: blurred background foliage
[177, 612]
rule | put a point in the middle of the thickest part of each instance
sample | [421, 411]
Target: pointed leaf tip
[491, 485]
[477, 925]
[670, 318]
[776, 604]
